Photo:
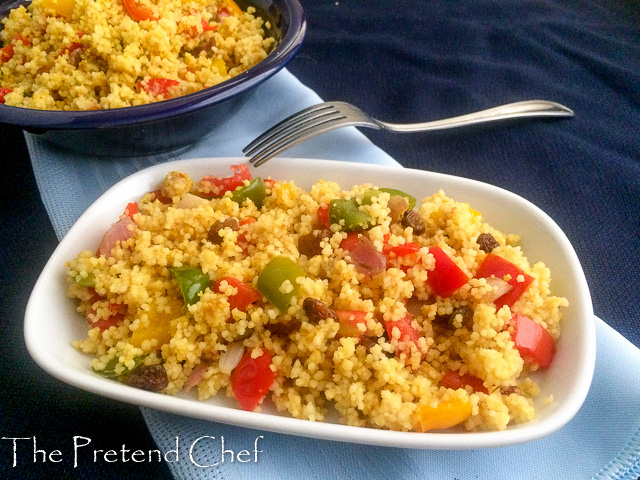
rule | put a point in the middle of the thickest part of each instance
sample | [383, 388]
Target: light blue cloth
[601, 442]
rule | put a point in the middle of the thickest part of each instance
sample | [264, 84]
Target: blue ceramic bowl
[169, 124]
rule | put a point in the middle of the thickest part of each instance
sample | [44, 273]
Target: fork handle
[529, 108]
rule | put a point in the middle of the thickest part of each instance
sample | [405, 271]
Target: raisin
[148, 377]
[509, 390]
[317, 310]
[214, 231]
[309, 245]
[467, 317]
[283, 329]
[487, 242]
[412, 219]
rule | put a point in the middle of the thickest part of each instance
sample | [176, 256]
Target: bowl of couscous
[413, 309]
[127, 78]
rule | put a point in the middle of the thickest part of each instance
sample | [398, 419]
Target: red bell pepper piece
[217, 186]
[447, 277]
[405, 249]
[454, 380]
[349, 321]
[251, 379]
[6, 53]
[533, 341]
[158, 86]
[3, 92]
[499, 267]
[350, 242]
[407, 332]
[246, 293]
[323, 215]
[131, 210]
[138, 12]
[160, 197]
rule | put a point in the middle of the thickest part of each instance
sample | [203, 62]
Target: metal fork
[328, 116]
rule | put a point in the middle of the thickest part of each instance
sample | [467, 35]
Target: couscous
[99, 54]
[396, 314]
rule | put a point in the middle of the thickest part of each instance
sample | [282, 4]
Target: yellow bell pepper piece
[158, 326]
[64, 8]
[221, 66]
[233, 7]
[445, 415]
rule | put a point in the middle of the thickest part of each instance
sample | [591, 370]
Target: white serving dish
[51, 322]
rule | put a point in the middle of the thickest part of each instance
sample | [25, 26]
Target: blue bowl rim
[289, 44]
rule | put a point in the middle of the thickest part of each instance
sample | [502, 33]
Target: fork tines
[291, 131]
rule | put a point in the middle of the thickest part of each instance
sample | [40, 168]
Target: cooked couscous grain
[99, 54]
[396, 330]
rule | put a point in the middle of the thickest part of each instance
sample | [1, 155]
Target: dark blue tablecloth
[402, 61]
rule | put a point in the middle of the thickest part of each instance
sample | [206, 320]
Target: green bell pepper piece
[277, 271]
[347, 210]
[192, 281]
[254, 191]
[88, 281]
[368, 196]
[110, 368]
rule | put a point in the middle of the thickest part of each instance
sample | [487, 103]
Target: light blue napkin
[601, 442]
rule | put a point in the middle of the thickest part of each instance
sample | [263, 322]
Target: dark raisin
[309, 245]
[214, 232]
[283, 329]
[412, 219]
[317, 310]
[148, 377]
[509, 390]
[467, 317]
[414, 305]
[487, 242]
[368, 342]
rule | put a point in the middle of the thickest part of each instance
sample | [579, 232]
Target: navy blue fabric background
[402, 61]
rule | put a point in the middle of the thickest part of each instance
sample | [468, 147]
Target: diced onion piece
[500, 287]
[191, 201]
[196, 376]
[230, 359]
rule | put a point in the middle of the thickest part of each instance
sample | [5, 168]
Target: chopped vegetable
[254, 191]
[159, 86]
[447, 277]
[245, 296]
[351, 242]
[230, 8]
[454, 380]
[6, 53]
[63, 8]
[109, 370]
[138, 12]
[405, 249]
[192, 282]
[158, 324]
[445, 415]
[366, 257]
[348, 215]
[369, 195]
[88, 281]
[408, 334]
[4, 91]
[350, 321]
[323, 215]
[498, 267]
[120, 231]
[533, 341]
[217, 186]
[277, 282]
[251, 379]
